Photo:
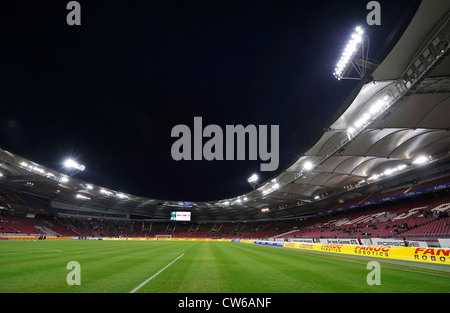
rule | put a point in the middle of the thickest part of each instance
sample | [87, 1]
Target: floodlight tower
[354, 61]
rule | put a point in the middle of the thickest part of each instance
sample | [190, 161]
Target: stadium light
[401, 167]
[308, 165]
[374, 109]
[421, 160]
[121, 196]
[349, 52]
[106, 192]
[71, 164]
[269, 189]
[80, 196]
[388, 172]
[252, 180]
[355, 56]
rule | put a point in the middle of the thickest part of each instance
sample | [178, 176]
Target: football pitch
[200, 267]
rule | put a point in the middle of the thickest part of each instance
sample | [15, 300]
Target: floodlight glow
[64, 179]
[358, 123]
[308, 165]
[366, 117]
[69, 163]
[349, 51]
[253, 178]
[363, 120]
[389, 171]
[80, 196]
[377, 107]
[351, 130]
[37, 169]
[420, 160]
[106, 192]
[121, 196]
[401, 167]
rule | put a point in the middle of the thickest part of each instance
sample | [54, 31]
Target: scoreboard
[180, 216]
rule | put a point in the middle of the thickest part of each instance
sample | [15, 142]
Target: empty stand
[424, 217]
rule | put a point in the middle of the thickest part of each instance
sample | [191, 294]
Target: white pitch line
[159, 272]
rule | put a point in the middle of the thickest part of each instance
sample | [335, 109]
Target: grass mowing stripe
[159, 272]
[105, 267]
[202, 267]
[345, 273]
[430, 269]
[122, 272]
[235, 274]
[265, 271]
[196, 266]
[120, 266]
[294, 273]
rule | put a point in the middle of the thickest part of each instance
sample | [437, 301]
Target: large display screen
[180, 216]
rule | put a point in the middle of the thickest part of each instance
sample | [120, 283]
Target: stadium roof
[397, 123]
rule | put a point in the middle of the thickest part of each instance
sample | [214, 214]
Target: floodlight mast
[354, 61]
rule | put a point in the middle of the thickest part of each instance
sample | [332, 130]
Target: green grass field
[201, 267]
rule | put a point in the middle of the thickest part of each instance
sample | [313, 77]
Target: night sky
[109, 92]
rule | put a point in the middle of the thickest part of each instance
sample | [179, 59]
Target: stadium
[365, 209]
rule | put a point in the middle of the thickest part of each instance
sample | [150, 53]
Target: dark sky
[109, 92]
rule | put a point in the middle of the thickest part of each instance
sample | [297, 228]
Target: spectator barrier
[33, 238]
[416, 254]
